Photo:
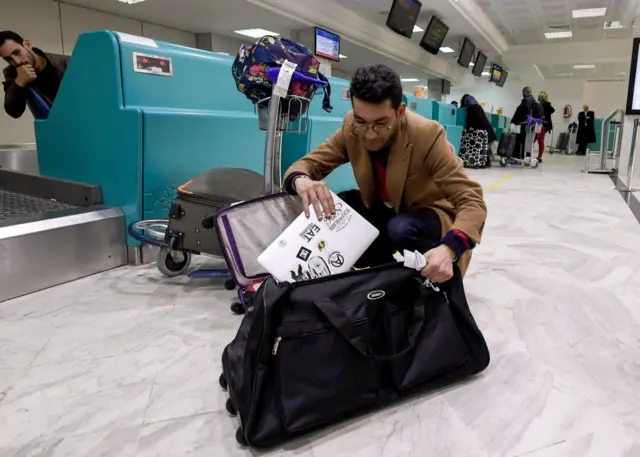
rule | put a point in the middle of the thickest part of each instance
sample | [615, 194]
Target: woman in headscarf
[477, 120]
[476, 117]
[547, 124]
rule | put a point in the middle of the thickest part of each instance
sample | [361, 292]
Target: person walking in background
[586, 130]
[547, 124]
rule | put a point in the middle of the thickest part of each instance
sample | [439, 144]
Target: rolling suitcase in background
[563, 141]
[205, 194]
[474, 148]
[507, 144]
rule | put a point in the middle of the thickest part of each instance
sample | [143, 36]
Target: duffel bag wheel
[173, 263]
[230, 408]
[240, 437]
[237, 308]
[229, 284]
[223, 382]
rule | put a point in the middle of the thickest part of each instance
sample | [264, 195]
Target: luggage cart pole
[604, 146]
[288, 114]
[273, 147]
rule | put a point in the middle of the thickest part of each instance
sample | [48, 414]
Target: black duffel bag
[310, 353]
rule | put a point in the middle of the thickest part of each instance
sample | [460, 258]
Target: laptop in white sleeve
[310, 248]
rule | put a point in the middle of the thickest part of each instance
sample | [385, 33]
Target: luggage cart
[527, 160]
[277, 115]
[566, 142]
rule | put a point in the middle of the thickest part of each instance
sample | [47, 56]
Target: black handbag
[311, 353]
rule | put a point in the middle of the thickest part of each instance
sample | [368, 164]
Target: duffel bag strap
[349, 332]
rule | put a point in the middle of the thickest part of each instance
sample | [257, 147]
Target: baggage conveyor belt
[54, 231]
[14, 204]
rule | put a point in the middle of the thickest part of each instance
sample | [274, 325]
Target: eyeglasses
[376, 128]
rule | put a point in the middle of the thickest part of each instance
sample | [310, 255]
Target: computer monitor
[327, 44]
[633, 91]
[478, 65]
[503, 79]
[466, 53]
[403, 16]
[496, 73]
[434, 35]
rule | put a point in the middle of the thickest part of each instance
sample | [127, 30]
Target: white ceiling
[611, 70]
[225, 16]
[526, 21]
[520, 21]
[198, 16]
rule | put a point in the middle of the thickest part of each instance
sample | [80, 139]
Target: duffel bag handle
[349, 332]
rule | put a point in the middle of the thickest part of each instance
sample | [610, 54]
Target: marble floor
[126, 363]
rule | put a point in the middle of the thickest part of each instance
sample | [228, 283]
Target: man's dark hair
[375, 84]
[7, 35]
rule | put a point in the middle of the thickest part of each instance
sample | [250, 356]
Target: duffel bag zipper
[276, 343]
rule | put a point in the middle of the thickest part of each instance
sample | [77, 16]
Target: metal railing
[603, 154]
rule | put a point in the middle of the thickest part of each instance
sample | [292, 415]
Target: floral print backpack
[250, 70]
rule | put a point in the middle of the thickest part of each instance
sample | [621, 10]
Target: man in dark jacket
[528, 106]
[29, 68]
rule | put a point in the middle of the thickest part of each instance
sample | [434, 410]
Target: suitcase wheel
[229, 284]
[230, 408]
[223, 382]
[503, 162]
[173, 263]
[240, 437]
[237, 308]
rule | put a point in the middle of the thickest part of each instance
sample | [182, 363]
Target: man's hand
[26, 75]
[316, 193]
[439, 267]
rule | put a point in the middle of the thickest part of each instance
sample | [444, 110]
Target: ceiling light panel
[589, 12]
[446, 50]
[131, 2]
[255, 33]
[555, 35]
[417, 29]
[409, 80]
[584, 67]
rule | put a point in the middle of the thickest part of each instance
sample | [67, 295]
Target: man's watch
[293, 183]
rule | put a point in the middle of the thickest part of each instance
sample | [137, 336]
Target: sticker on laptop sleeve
[318, 267]
[336, 260]
[303, 254]
[309, 232]
[300, 274]
[340, 219]
[322, 246]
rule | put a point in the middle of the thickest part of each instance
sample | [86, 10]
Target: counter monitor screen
[633, 91]
[478, 66]
[466, 53]
[434, 35]
[496, 73]
[503, 79]
[403, 16]
[327, 44]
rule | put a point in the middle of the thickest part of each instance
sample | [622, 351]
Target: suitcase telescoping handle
[350, 332]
